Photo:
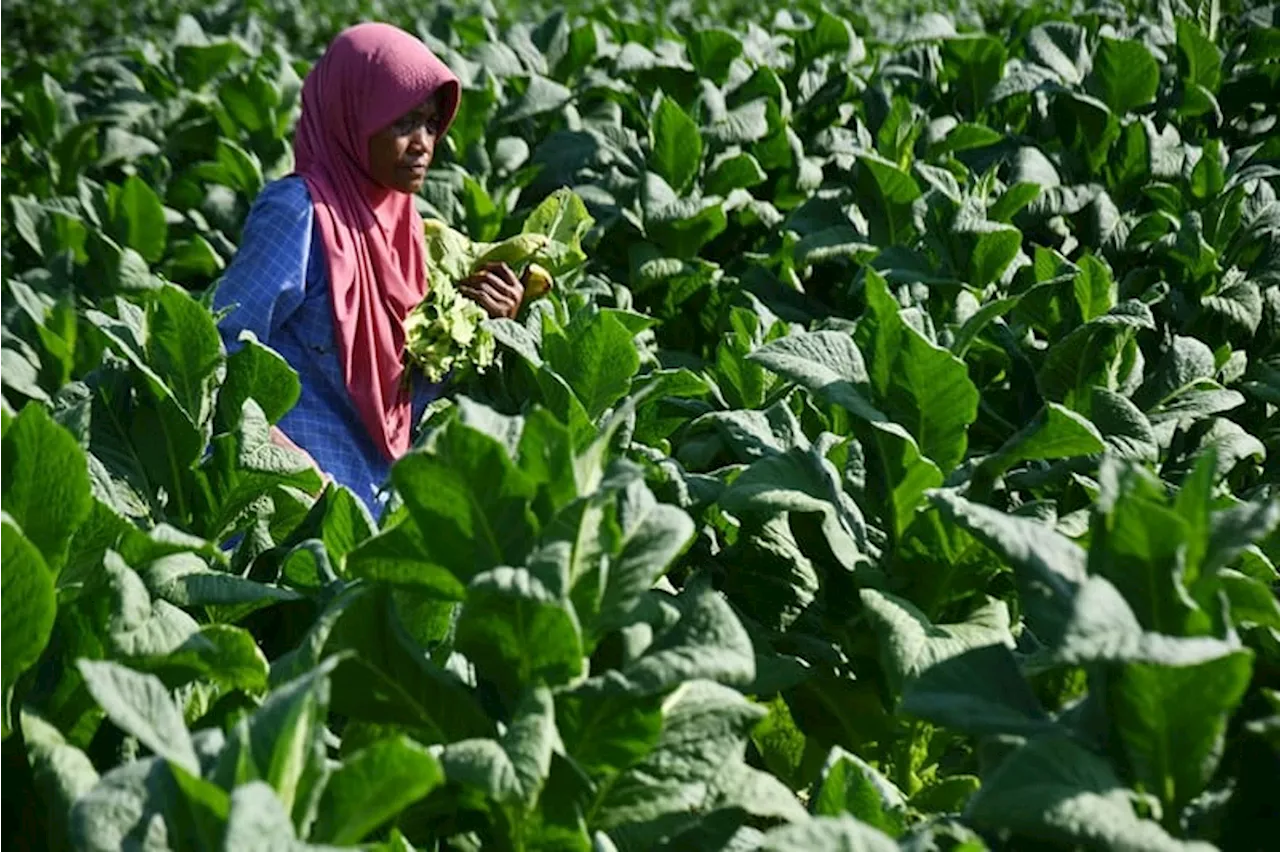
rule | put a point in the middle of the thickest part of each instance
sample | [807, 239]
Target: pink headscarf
[370, 75]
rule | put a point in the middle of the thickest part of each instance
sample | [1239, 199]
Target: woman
[332, 257]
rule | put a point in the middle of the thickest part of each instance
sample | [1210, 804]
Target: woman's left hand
[496, 289]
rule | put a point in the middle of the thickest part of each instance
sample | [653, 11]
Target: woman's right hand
[496, 288]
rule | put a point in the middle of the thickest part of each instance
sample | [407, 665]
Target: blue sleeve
[266, 280]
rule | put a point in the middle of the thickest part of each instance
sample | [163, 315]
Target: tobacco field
[900, 471]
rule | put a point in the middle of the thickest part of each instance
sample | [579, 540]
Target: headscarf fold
[370, 76]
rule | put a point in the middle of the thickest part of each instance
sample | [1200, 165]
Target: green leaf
[886, 194]
[712, 51]
[737, 171]
[1091, 355]
[373, 785]
[851, 786]
[826, 832]
[258, 373]
[1125, 429]
[1052, 789]
[282, 743]
[1253, 604]
[994, 248]
[257, 821]
[965, 136]
[1049, 567]
[605, 734]
[1208, 176]
[597, 357]
[1125, 75]
[28, 606]
[140, 705]
[219, 654]
[830, 365]
[1095, 291]
[1056, 432]
[696, 768]
[1135, 543]
[134, 624]
[135, 800]
[62, 773]
[1172, 719]
[676, 146]
[921, 386]
[1061, 47]
[44, 483]
[472, 499]
[542, 95]
[1199, 59]
[512, 769]
[517, 632]
[653, 534]
[185, 350]
[826, 361]
[910, 644]
[384, 676]
[829, 34]
[207, 805]
[801, 481]
[561, 216]
[139, 221]
[981, 318]
[241, 169]
[980, 691]
[708, 642]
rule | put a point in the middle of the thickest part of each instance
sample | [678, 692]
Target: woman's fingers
[487, 296]
[496, 289]
[506, 276]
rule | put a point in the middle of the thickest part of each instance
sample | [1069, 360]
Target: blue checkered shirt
[277, 286]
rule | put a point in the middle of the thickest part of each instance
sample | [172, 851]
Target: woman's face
[400, 153]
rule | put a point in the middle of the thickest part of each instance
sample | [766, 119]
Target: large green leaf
[920, 385]
[886, 194]
[1172, 719]
[139, 220]
[1054, 790]
[140, 704]
[830, 365]
[513, 769]
[256, 372]
[1124, 75]
[469, 499]
[1049, 566]
[653, 534]
[383, 676]
[707, 642]
[282, 744]
[676, 145]
[517, 632]
[849, 785]
[257, 821]
[826, 832]
[597, 357]
[27, 607]
[373, 785]
[45, 483]
[1055, 432]
[62, 772]
[696, 768]
[911, 644]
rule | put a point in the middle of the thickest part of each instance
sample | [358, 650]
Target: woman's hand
[496, 289]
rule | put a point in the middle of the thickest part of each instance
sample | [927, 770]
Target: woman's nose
[420, 139]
